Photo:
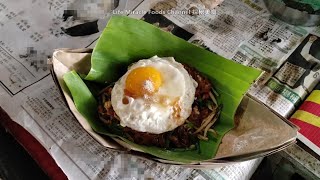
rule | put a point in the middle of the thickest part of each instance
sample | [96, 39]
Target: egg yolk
[142, 81]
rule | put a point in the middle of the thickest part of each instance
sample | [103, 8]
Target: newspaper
[220, 30]
[242, 31]
[294, 80]
[30, 97]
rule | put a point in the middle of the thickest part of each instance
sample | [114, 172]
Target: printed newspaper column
[46, 106]
[220, 30]
[28, 38]
[294, 80]
[237, 171]
[307, 117]
[269, 47]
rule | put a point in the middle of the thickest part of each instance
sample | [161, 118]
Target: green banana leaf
[125, 41]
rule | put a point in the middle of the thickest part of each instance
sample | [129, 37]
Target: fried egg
[155, 95]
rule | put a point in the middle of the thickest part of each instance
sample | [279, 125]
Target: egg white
[151, 116]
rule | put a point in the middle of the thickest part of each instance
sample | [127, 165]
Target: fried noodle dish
[160, 102]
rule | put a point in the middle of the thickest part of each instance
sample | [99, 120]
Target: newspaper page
[29, 37]
[294, 80]
[287, 84]
[220, 30]
[232, 172]
[30, 97]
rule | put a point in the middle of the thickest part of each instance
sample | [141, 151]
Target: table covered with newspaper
[243, 31]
